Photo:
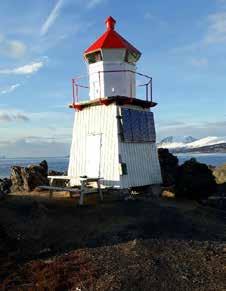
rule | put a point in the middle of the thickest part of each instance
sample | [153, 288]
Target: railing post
[146, 85]
[151, 89]
[76, 92]
[73, 90]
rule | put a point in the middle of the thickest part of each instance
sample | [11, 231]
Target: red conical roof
[111, 39]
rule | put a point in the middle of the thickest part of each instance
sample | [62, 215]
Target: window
[138, 126]
[94, 57]
[131, 57]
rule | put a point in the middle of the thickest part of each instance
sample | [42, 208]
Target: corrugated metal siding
[141, 158]
[142, 162]
[95, 119]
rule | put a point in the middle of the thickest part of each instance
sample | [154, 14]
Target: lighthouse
[114, 132]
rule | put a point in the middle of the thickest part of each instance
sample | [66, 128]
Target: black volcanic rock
[56, 173]
[28, 178]
[169, 166]
[44, 166]
[195, 181]
[5, 185]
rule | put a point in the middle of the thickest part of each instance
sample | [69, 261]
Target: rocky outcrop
[56, 173]
[169, 166]
[5, 185]
[195, 181]
[28, 178]
[220, 174]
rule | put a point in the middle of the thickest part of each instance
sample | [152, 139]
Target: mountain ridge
[183, 144]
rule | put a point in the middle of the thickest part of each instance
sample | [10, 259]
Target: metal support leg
[100, 190]
[51, 191]
[81, 200]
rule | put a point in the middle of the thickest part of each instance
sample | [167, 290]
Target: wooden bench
[84, 190]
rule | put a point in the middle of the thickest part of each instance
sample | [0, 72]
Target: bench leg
[51, 191]
[81, 199]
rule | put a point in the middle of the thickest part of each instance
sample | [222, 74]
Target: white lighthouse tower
[114, 131]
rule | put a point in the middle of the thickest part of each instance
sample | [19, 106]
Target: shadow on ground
[39, 228]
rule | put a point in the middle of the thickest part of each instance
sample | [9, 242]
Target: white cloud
[21, 117]
[10, 89]
[197, 129]
[217, 28]
[5, 117]
[52, 17]
[215, 33]
[93, 3]
[16, 49]
[12, 48]
[24, 70]
[17, 116]
[36, 148]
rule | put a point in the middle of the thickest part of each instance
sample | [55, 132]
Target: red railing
[76, 85]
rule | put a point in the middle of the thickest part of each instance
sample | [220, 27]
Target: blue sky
[183, 45]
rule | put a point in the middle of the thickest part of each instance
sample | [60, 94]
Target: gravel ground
[135, 265]
[134, 245]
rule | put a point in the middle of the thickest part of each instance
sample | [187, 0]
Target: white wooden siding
[99, 120]
[142, 164]
[141, 158]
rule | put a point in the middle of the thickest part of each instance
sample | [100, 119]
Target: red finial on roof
[110, 23]
[111, 40]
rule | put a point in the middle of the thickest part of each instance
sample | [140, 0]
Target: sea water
[55, 163]
[216, 159]
[61, 163]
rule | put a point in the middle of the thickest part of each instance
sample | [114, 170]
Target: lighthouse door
[93, 155]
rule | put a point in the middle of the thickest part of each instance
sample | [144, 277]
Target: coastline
[55, 163]
[61, 163]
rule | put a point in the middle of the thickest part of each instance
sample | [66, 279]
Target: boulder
[195, 181]
[56, 173]
[28, 178]
[44, 166]
[220, 174]
[5, 185]
[169, 167]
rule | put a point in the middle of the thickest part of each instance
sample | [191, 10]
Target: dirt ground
[143, 244]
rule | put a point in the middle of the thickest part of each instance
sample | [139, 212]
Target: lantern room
[111, 64]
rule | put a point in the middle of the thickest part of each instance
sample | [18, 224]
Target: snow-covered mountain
[176, 141]
[189, 143]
